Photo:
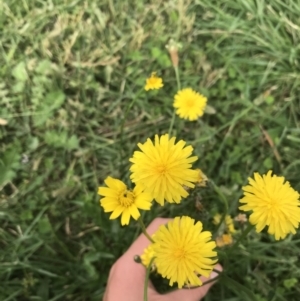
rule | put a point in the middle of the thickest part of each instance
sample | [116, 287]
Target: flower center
[126, 198]
[274, 205]
[190, 102]
[161, 169]
[180, 253]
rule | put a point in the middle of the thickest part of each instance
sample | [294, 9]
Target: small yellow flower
[228, 222]
[120, 201]
[153, 82]
[183, 251]
[273, 202]
[147, 256]
[189, 104]
[202, 178]
[163, 168]
[224, 240]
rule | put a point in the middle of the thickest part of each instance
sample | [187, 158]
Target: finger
[127, 274]
[137, 271]
[194, 294]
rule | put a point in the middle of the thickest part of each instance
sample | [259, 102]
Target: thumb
[194, 294]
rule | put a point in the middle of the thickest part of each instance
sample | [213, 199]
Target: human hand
[126, 277]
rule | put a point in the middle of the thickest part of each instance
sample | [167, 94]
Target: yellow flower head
[224, 240]
[183, 252]
[118, 200]
[153, 82]
[273, 202]
[148, 255]
[202, 178]
[189, 104]
[228, 222]
[164, 168]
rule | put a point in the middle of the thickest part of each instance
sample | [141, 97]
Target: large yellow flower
[153, 82]
[274, 203]
[164, 168]
[118, 200]
[189, 104]
[183, 252]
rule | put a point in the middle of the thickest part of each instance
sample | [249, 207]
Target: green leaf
[269, 99]
[61, 140]
[268, 163]
[54, 99]
[239, 289]
[9, 163]
[43, 67]
[72, 143]
[19, 72]
[44, 225]
[290, 283]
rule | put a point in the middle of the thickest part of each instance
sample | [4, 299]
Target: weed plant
[68, 71]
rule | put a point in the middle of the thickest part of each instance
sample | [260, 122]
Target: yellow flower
[228, 222]
[189, 104]
[148, 255]
[153, 82]
[224, 240]
[118, 200]
[273, 203]
[164, 168]
[202, 178]
[183, 252]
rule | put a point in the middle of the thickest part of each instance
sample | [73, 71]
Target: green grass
[68, 71]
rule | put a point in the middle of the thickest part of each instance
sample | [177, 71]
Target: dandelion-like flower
[202, 178]
[273, 202]
[120, 201]
[153, 82]
[183, 251]
[224, 240]
[164, 168]
[189, 104]
[147, 256]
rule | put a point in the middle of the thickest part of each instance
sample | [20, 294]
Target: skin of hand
[126, 277]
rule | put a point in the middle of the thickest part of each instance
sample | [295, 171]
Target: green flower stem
[243, 235]
[225, 202]
[171, 123]
[147, 279]
[125, 115]
[144, 230]
[178, 87]
[206, 282]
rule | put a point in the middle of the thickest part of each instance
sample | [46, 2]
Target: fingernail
[213, 275]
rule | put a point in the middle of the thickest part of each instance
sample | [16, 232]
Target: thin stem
[147, 279]
[172, 123]
[243, 235]
[204, 283]
[223, 198]
[144, 230]
[178, 88]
